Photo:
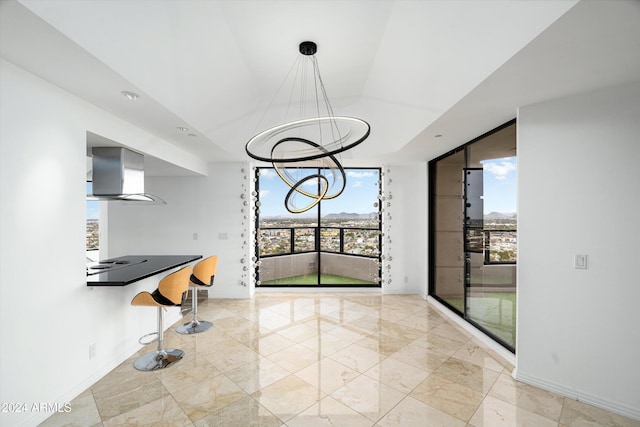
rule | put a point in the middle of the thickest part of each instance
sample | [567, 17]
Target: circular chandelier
[293, 147]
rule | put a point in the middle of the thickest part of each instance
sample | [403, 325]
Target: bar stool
[203, 274]
[171, 291]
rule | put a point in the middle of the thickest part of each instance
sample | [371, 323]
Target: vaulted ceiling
[412, 69]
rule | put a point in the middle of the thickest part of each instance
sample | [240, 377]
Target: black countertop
[128, 269]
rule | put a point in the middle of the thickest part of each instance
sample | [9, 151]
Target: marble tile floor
[325, 360]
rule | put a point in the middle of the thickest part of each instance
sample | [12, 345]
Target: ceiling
[412, 69]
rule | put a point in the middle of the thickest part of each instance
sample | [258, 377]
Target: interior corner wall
[407, 228]
[578, 332]
[49, 317]
[202, 216]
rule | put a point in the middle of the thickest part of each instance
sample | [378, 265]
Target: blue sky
[93, 206]
[358, 196]
[362, 189]
[499, 177]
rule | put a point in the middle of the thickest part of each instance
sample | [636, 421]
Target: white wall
[407, 229]
[202, 216]
[211, 206]
[48, 316]
[578, 330]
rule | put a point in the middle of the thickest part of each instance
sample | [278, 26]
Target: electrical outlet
[92, 351]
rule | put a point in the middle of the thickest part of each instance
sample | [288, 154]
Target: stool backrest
[174, 285]
[205, 271]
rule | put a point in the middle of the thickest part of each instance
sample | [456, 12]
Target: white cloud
[268, 173]
[264, 193]
[356, 174]
[356, 184]
[499, 170]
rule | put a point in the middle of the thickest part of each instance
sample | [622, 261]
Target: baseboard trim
[75, 391]
[171, 318]
[581, 396]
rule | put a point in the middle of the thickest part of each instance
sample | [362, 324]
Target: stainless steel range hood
[118, 174]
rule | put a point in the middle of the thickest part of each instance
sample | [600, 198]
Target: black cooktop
[128, 269]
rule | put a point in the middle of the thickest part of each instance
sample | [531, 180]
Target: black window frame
[318, 246]
[432, 227]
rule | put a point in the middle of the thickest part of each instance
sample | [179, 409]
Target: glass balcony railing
[324, 269]
[331, 256]
[290, 240]
[499, 246]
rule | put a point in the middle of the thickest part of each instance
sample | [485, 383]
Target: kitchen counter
[128, 269]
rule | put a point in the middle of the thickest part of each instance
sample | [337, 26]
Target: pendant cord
[282, 83]
[297, 147]
[301, 77]
[334, 126]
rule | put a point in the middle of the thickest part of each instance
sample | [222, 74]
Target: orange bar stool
[171, 291]
[202, 276]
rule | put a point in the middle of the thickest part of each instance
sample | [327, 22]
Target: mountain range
[500, 215]
[341, 215]
[373, 215]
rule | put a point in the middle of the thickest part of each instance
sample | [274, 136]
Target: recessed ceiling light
[131, 95]
[182, 129]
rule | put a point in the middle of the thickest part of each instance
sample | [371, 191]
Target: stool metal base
[158, 359]
[194, 327]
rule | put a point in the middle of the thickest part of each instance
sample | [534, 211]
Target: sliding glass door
[474, 231]
[447, 230]
[490, 244]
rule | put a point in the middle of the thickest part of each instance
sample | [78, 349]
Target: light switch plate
[580, 262]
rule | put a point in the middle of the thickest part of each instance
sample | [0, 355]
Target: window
[336, 243]
[93, 227]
